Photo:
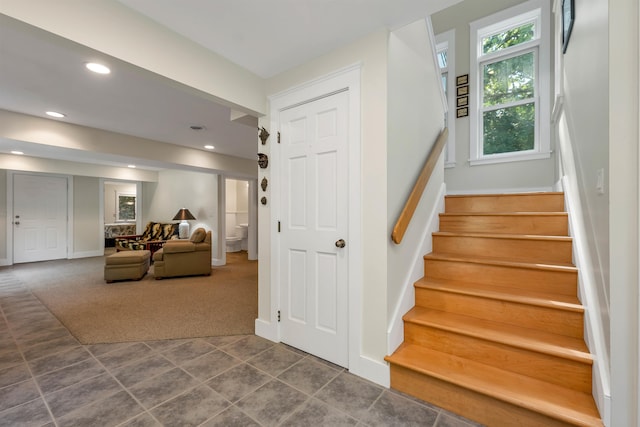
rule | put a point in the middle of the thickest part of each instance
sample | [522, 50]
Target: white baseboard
[87, 254]
[395, 331]
[372, 370]
[365, 367]
[594, 329]
[266, 330]
[217, 262]
[5, 261]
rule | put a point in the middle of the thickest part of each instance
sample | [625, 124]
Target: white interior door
[314, 221]
[40, 218]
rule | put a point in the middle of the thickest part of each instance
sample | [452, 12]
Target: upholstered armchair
[153, 238]
[184, 257]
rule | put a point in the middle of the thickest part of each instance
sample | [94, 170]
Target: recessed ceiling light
[131, 166]
[16, 152]
[55, 114]
[209, 147]
[97, 68]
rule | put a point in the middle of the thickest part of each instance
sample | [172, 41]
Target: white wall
[175, 189]
[87, 234]
[371, 53]
[582, 126]
[624, 205]
[3, 216]
[63, 167]
[415, 119]
[532, 174]
[21, 127]
[586, 105]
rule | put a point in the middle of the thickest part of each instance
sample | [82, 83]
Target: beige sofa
[184, 257]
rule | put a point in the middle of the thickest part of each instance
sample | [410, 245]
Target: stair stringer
[395, 329]
[593, 327]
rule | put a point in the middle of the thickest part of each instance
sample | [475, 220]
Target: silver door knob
[340, 243]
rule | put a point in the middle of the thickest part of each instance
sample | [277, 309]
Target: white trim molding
[395, 331]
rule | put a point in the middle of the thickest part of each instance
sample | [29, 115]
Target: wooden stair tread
[554, 401]
[522, 296]
[569, 268]
[498, 327]
[504, 236]
[515, 336]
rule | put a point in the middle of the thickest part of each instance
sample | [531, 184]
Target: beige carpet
[224, 303]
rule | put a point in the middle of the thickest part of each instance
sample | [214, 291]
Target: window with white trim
[445, 50]
[510, 71]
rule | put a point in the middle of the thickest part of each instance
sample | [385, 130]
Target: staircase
[496, 334]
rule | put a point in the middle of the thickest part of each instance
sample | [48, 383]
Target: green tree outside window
[508, 93]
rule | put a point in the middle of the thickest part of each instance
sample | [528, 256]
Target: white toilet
[239, 241]
[242, 232]
[233, 244]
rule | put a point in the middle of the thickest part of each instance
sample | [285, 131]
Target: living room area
[74, 285]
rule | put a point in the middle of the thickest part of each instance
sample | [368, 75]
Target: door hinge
[278, 137]
[278, 226]
[278, 315]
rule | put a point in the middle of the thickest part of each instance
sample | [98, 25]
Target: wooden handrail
[412, 202]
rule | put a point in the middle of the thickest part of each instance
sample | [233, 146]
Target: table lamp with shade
[183, 215]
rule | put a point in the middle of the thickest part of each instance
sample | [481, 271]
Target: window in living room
[126, 207]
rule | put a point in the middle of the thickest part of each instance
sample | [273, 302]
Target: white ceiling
[271, 36]
[40, 71]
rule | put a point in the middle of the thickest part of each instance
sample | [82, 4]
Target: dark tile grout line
[272, 377]
[28, 367]
[157, 352]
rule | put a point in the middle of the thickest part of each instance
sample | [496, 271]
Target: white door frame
[10, 243]
[349, 79]
[219, 255]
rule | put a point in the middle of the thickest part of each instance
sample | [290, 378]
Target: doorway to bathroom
[237, 216]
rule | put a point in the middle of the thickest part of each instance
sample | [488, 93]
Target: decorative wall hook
[263, 135]
[263, 200]
[264, 184]
[263, 160]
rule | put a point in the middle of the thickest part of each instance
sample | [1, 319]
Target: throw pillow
[198, 235]
[146, 234]
[156, 232]
[168, 230]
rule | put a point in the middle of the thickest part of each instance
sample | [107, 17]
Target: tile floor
[48, 379]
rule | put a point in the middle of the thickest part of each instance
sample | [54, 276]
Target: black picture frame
[462, 80]
[462, 90]
[462, 112]
[568, 16]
